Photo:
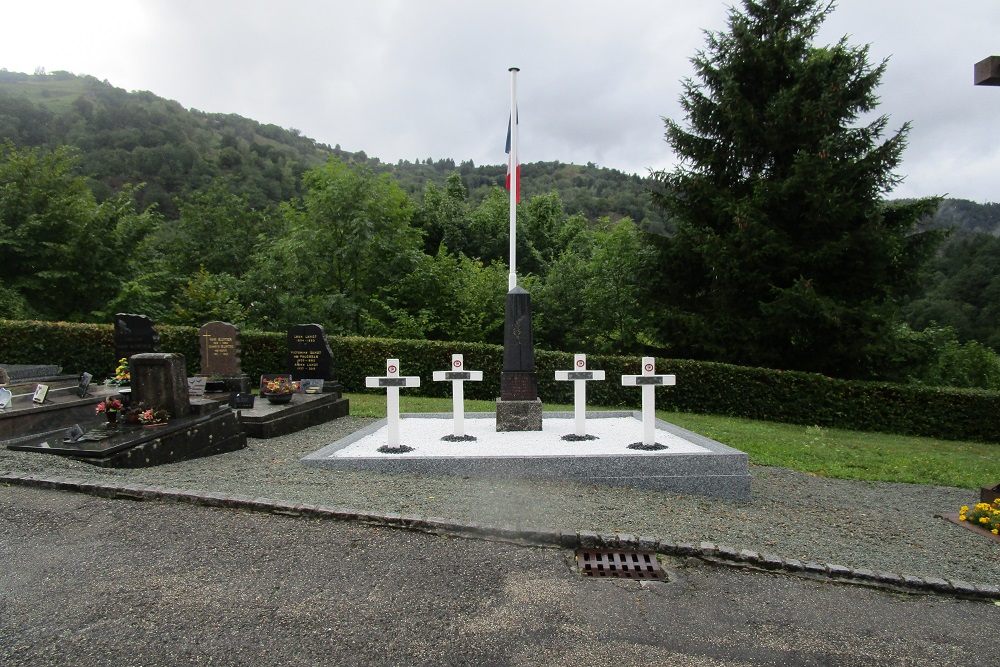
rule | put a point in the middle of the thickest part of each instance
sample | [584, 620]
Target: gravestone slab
[309, 354]
[220, 349]
[134, 334]
[160, 380]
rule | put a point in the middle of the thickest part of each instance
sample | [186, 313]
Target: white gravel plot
[614, 435]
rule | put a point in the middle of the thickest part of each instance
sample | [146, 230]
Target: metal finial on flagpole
[514, 184]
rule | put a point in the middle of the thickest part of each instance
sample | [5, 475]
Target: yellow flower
[961, 517]
[995, 531]
[984, 519]
[965, 508]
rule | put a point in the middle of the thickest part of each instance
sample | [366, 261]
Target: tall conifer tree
[785, 254]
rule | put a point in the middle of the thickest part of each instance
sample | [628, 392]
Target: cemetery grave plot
[135, 446]
[690, 464]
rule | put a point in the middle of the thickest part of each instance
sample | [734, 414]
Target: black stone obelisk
[518, 408]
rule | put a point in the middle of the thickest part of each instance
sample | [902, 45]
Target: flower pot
[112, 416]
[278, 399]
[988, 494]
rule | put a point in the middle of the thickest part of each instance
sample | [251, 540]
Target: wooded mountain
[138, 137]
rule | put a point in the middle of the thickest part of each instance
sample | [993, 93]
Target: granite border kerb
[707, 552]
[714, 446]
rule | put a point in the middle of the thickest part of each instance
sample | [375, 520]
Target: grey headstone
[220, 349]
[160, 381]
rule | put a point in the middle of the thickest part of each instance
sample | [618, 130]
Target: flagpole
[514, 180]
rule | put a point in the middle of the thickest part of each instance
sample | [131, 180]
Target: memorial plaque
[134, 334]
[457, 375]
[41, 391]
[580, 375]
[5, 397]
[652, 379]
[220, 349]
[73, 434]
[85, 379]
[309, 354]
[196, 385]
[311, 386]
[392, 382]
[241, 401]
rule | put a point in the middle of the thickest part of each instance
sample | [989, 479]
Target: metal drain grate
[623, 564]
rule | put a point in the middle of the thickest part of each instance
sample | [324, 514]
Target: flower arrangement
[122, 375]
[279, 385]
[109, 405]
[151, 416]
[983, 515]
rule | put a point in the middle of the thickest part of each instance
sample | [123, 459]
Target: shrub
[702, 387]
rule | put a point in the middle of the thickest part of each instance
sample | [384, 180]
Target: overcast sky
[424, 79]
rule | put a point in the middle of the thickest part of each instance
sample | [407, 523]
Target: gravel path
[874, 525]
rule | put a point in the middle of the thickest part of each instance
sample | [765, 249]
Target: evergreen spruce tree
[785, 253]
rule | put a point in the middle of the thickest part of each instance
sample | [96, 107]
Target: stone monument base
[519, 415]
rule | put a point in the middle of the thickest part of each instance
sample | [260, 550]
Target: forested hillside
[138, 137]
[123, 201]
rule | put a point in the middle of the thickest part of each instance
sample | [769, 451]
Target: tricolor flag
[513, 164]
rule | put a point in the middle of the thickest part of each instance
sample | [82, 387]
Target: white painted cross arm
[457, 371]
[392, 377]
[649, 376]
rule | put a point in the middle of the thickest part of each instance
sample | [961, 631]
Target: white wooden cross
[392, 382]
[458, 375]
[649, 381]
[579, 375]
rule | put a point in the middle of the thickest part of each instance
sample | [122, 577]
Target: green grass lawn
[826, 452]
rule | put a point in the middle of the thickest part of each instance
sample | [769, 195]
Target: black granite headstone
[134, 334]
[309, 354]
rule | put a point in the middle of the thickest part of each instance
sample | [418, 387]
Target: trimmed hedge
[702, 387]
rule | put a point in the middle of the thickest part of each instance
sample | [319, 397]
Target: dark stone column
[517, 381]
[518, 408]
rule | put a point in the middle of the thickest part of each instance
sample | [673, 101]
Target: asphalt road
[90, 581]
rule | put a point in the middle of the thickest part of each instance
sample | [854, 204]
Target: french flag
[513, 164]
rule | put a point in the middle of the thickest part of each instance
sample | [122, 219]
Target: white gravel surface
[613, 436]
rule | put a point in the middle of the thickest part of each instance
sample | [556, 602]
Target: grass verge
[825, 452]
